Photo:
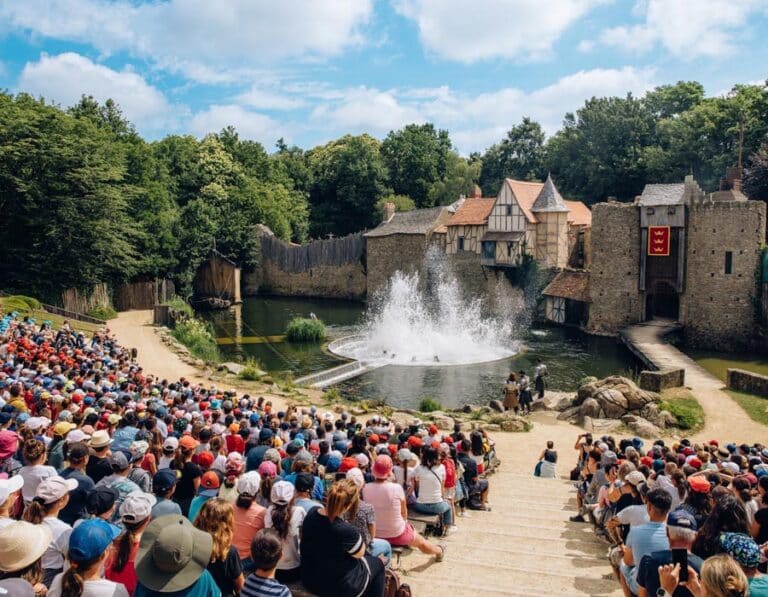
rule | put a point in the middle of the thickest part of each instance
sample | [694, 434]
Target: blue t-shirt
[205, 586]
[164, 506]
[254, 457]
[758, 586]
[257, 586]
[643, 540]
[123, 438]
[194, 507]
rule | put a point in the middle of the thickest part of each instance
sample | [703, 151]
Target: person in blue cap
[163, 486]
[256, 454]
[88, 548]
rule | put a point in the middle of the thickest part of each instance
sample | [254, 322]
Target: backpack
[392, 586]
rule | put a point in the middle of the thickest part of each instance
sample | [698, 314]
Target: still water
[250, 331]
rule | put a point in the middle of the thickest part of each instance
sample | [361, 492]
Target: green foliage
[428, 405]
[104, 312]
[519, 155]
[685, 408]
[756, 175]
[460, 178]
[251, 371]
[348, 178]
[755, 406]
[332, 395]
[179, 304]
[301, 329]
[416, 157]
[20, 302]
[198, 337]
[402, 203]
[476, 415]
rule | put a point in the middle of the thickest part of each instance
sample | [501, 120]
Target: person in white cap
[286, 520]
[10, 490]
[22, 545]
[135, 514]
[51, 497]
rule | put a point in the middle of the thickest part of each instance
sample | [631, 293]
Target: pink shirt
[385, 499]
[248, 522]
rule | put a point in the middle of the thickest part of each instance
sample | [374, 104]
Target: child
[266, 551]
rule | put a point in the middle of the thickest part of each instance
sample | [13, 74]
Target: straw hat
[21, 544]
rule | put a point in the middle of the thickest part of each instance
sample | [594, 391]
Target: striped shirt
[258, 586]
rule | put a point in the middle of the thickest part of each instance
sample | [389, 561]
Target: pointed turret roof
[549, 198]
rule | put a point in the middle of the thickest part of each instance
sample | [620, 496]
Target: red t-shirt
[450, 473]
[127, 575]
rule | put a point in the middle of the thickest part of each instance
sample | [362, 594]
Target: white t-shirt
[290, 559]
[398, 471]
[32, 476]
[91, 588]
[634, 515]
[430, 483]
[164, 462]
[53, 557]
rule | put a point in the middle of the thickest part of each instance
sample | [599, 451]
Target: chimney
[389, 211]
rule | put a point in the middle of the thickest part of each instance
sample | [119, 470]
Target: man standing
[539, 374]
[524, 387]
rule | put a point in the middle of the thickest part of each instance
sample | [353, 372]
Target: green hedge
[198, 338]
[428, 405]
[179, 304]
[301, 329]
[104, 312]
[687, 411]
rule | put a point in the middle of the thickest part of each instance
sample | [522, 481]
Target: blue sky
[312, 70]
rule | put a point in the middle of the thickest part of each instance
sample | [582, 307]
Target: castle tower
[552, 227]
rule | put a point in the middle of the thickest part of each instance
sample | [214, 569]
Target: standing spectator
[160, 570]
[248, 516]
[135, 514]
[334, 561]
[119, 480]
[170, 445]
[22, 545]
[540, 375]
[164, 485]
[209, 488]
[524, 385]
[511, 393]
[286, 520]
[50, 498]
[266, 551]
[216, 517]
[189, 481]
[78, 461]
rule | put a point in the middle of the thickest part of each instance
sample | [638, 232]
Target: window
[509, 249]
[650, 211]
[729, 262]
[489, 250]
[509, 210]
[461, 243]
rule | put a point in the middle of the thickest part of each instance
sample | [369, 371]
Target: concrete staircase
[525, 546]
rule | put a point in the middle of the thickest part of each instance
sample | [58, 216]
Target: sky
[313, 70]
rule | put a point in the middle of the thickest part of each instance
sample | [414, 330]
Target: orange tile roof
[473, 212]
[525, 193]
[580, 214]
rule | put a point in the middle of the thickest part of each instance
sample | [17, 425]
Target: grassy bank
[755, 406]
[27, 306]
[719, 363]
[685, 408]
[198, 337]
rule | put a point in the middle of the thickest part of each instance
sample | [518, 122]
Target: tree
[756, 175]
[416, 156]
[519, 155]
[460, 179]
[349, 177]
[667, 101]
[401, 203]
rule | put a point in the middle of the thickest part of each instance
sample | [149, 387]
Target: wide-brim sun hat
[172, 554]
[21, 544]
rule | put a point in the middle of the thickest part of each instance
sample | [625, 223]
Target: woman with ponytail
[88, 549]
[34, 471]
[233, 468]
[51, 496]
[135, 514]
[189, 481]
[741, 488]
[286, 520]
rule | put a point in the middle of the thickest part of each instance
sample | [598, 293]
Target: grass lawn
[718, 363]
[39, 315]
[755, 406]
[684, 406]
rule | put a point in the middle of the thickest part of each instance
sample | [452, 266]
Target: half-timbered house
[468, 225]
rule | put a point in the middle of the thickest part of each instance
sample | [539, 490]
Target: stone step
[517, 587]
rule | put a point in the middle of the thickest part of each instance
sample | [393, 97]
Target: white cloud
[586, 46]
[250, 125]
[66, 77]
[266, 99]
[686, 28]
[208, 41]
[484, 29]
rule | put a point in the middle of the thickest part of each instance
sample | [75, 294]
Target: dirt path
[724, 418]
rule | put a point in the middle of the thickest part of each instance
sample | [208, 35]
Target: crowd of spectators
[680, 518]
[114, 482]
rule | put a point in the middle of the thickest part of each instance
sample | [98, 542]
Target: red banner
[658, 241]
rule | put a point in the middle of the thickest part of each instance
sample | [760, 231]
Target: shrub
[198, 338]
[332, 395]
[104, 312]
[428, 405]
[19, 302]
[252, 370]
[687, 411]
[301, 329]
[179, 304]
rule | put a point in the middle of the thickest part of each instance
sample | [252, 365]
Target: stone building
[400, 243]
[681, 254]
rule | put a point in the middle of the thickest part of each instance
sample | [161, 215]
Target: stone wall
[397, 252]
[615, 265]
[656, 381]
[326, 281]
[719, 310]
[748, 382]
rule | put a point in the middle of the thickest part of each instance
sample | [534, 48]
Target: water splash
[430, 324]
